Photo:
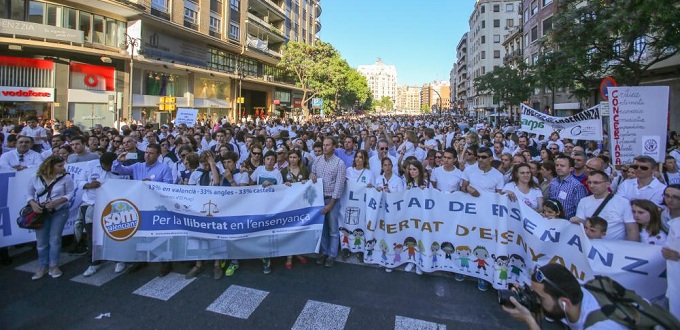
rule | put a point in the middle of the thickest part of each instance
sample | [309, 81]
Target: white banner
[13, 190]
[639, 119]
[148, 221]
[487, 237]
[585, 125]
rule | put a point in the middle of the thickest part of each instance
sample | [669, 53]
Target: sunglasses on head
[541, 278]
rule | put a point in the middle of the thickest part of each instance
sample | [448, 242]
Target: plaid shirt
[571, 190]
[332, 172]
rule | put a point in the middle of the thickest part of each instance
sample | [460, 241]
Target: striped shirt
[332, 172]
[569, 192]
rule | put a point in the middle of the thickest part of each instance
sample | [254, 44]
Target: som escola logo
[120, 219]
[532, 124]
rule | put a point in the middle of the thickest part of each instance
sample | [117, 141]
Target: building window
[547, 2]
[69, 18]
[483, 54]
[509, 22]
[640, 46]
[483, 70]
[496, 8]
[215, 23]
[509, 7]
[534, 33]
[190, 12]
[617, 47]
[160, 5]
[547, 25]
[534, 58]
[483, 39]
[36, 12]
[496, 38]
[526, 15]
[234, 4]
[483, 24]
[496, 54]
[496, 23]
[534, 8]
[482, 9]
[234, 31]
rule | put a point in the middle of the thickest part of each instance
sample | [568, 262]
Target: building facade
[462, 81]
[381, 78]
[489, 23]
[408, 98]
[96, 61]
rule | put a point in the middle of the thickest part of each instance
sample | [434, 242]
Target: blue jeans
[330, 237]
[49, 238]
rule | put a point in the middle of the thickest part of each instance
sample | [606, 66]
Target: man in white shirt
[22, 157]
[447, 177]
[375, 162]
[36, 132]
[645, 185]
[617, 212]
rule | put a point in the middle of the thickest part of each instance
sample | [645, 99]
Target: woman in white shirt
[359, 171]
[523, 188]
[388, 180]
[55, 201]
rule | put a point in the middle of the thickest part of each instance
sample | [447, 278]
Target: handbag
[29, 219]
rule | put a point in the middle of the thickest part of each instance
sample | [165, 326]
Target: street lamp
[439, 101]
[241, 75]
[132, 43]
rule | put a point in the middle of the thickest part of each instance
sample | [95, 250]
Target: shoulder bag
[29, 219]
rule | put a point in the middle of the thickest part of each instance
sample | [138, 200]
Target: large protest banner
[148, 221]
[13, 190]
[488, 237]
[639, 118]
[585, 125]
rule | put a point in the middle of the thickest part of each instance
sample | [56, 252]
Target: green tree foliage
[551, 71]
[385, 104]
[509, 85]
[620, 38]
[320, 72]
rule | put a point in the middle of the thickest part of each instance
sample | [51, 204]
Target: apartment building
[381, 79]
[94, 61]
[408, 98]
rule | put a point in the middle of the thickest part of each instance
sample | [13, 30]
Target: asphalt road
[347, 296]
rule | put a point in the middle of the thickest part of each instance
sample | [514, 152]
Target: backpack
[625, 307]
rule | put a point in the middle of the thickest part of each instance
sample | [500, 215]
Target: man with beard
[561, 298]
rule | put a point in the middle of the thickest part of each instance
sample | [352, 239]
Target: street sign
[606, 82]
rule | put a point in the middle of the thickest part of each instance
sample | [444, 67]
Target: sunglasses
[483, 157]
[641, 167]
[383, 148]
[541, 278]
[437, 157]
[257, 153]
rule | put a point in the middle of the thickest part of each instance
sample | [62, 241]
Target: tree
[320, 72]
[425, 108]
[508, 85]
[621, 38]
[385, 104]
[552, 71]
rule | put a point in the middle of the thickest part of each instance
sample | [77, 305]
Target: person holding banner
[523, 188]
[51, 177]
[447, 177]
[149, 170]
[22, 157]
[388, 180]
[565, 188]
[331, 170]
[671, 250]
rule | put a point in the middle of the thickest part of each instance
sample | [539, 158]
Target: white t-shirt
[588, 305]
[364, 176]
[448, 181]
[395, 183]
[408, 147]
[658, 239]
[530, 199]
[673, 268]
[617, 212]
[260, 175]
[490, 181]
[375, 165]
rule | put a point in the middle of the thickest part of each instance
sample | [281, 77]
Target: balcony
[267, 8]
[317, 25]
[318, 10]
[259, 27]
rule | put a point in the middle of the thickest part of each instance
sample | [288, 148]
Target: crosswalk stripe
[406, 323]
[238, 301]
[105, 274]
[320, 315]
[32, 267]
[163, 288]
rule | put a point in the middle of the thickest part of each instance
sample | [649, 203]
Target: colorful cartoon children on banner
[481, 254]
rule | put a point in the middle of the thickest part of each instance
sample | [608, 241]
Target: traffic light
[167, 103]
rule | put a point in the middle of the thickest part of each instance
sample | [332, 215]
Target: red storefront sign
[26, 62]
[297, 103]
[26, 94]
[92, 77]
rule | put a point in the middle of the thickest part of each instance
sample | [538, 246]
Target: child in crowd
[647, 215]
[552, 209]
[596, 227]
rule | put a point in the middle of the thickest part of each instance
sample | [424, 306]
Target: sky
[418, 37]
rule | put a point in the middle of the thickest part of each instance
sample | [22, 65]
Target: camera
[524, 296]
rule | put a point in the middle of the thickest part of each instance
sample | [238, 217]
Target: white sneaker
[91, 271]
[388, 270]
[409, 267]
[120, 266]
[419, 271]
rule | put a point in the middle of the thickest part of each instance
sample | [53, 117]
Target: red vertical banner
[92, 77]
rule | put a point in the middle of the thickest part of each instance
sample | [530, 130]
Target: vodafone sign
[30, 94]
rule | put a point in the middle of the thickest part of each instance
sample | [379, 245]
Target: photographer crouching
[600, 304]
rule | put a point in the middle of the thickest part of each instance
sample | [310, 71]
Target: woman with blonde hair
[49, 192]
